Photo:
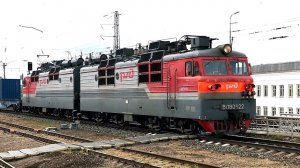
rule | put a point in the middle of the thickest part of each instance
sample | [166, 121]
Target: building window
[298, 90]
[265, 110]
[273, 111]
[265, 90]
[258, 90]
[273, 90]
[257, 110]
[290, 110]
[281, 110]
[290, 90]
[298, 110]
[281, 91]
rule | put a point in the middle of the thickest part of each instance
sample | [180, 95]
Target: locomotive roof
[276, 67]
[126, 64]
[89, 68]
[212, 52]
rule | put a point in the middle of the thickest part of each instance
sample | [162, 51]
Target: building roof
[276, 68]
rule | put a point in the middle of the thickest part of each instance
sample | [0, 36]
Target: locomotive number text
[232, 106]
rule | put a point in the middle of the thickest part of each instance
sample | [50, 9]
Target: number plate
[232, 106]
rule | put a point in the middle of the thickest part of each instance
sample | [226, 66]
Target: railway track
[147, 159]
[55, 134]
[244, 142]
[266, 141]
[28, 135]
[4, 164]
[127, 127]
[256, 143]
[128, 160]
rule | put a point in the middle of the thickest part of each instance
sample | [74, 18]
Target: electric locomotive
[184, 84]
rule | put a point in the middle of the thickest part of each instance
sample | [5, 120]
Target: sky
[268, 30]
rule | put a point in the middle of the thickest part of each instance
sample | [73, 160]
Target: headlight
[214, 87]
[226, 48]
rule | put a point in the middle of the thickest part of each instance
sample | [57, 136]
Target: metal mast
[116, 32]
[4, 65]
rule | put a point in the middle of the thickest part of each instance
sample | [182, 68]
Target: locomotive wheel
[56, 112]
[195, 128]
[180, 126]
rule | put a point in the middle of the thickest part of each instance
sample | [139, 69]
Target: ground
[10, 142]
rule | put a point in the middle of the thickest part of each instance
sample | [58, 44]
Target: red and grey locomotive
[184, 84]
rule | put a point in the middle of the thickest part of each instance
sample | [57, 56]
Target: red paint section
[222, 125]
[207, 125]
[247, 122]
[30, 87]
[223, 86]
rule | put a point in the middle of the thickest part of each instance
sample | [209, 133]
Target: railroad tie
[250, 149]
[290, 155]
[270, 151]
[279, 153]
[261, 150]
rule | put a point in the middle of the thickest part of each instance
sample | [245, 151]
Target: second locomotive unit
[184, 84]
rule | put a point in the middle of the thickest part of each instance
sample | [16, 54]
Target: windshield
[238, 68]
[215, 67]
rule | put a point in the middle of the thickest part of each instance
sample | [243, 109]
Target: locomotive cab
[226, 91]
[218, 85]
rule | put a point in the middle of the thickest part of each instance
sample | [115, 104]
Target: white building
[277, 89]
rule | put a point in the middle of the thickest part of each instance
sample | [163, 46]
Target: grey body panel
[55, 94]
[49, 102]
[209, 109]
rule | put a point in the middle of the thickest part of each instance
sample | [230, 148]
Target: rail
[4, 164]
[64, 136]
[172, 159]
[271, 145]
[124, 160]
[287, 126]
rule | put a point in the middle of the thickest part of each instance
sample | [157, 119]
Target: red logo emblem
[126, 75]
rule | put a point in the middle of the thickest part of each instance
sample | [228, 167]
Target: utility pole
[230, 23]
[4, 65]
[116, 36]
[116, 32]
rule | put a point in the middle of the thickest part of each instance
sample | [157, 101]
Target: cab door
[172, 87]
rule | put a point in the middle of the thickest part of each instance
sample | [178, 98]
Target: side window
[188, 68]
[258, 90]
[196, 69]
[265, 90]
[281, 90]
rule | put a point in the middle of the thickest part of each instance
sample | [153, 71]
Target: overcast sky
[74, 26]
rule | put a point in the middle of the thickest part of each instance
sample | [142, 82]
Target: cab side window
[188, 68]
[196, 68]
[192, 68]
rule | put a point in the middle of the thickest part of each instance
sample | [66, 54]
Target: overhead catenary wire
[266, 28]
